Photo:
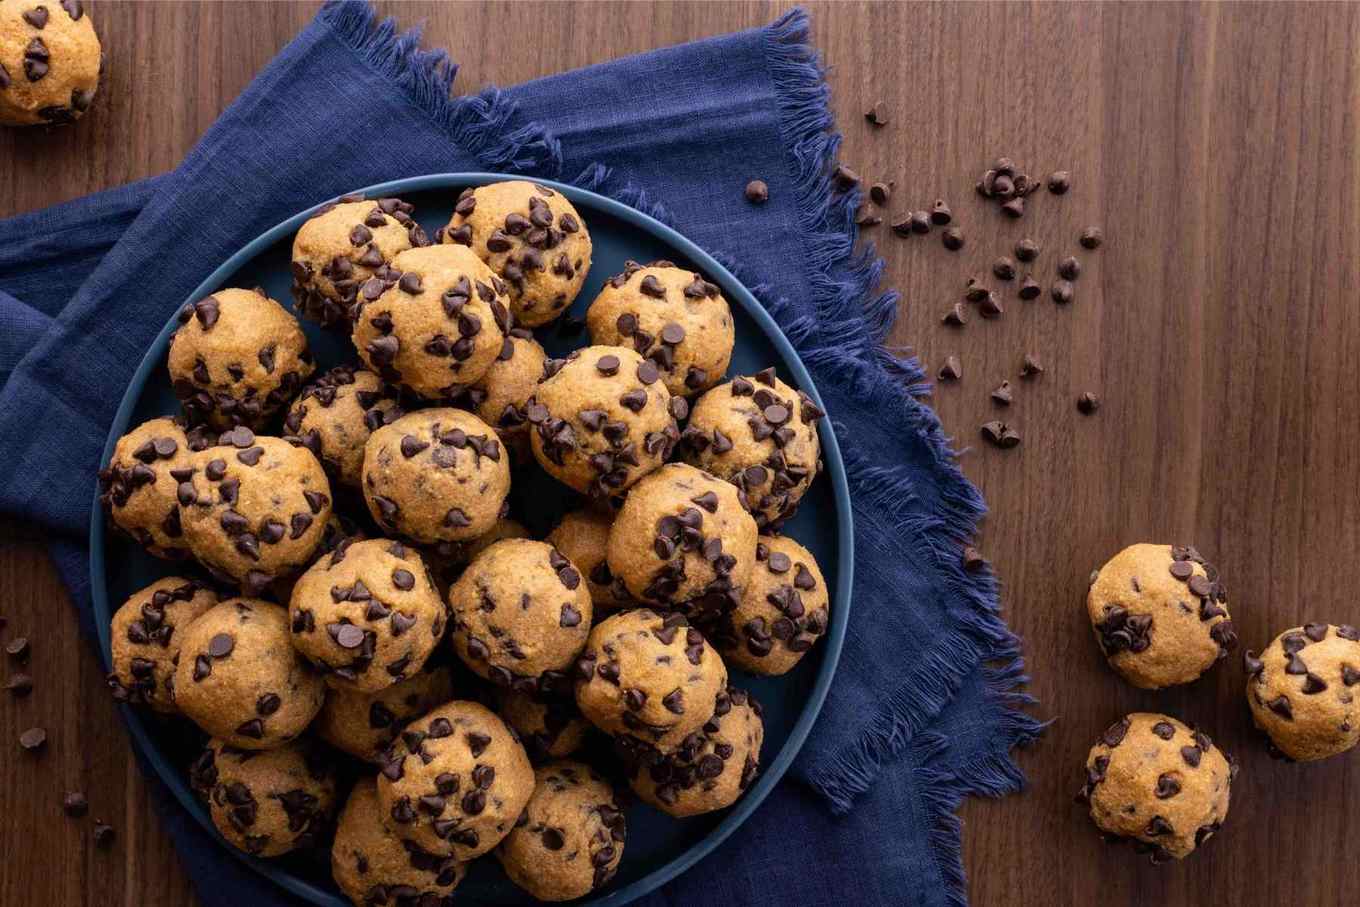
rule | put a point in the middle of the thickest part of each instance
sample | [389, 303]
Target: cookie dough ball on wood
[682, 537]
[334, 416]
[138, 487]
[550, 727]
[255, 508]
[501, 395]
[711, 769]
[1160, 614]
[368, 615]
[239, 678]
[649, 677]
[50, 62]
[570, 839]
[237, 358]
[532, 237]
[437, 475]
[455, 781]
[1302, 690]
[602, 419]
[761, 435]
[365, 724]
[583, 536]
[783, 611]
[439, 327]
[1162, 784]
[144, 643]
[672, 316]
[269, 803]
[373, 866]
[346, 249]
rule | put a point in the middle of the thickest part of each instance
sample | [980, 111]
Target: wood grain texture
[1216, 147]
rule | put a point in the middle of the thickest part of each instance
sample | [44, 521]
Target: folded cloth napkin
[924, 709]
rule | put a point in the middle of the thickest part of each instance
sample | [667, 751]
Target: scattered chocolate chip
[973, 561]
[952, 370]
[1026, 250]
[1031, 366]
[1088, 403]
[845, 178]
[21, 684]
[990, 306]
[866, 218]
[18, 649]
[1062, 292]
[1002, 394]
[920, 222]
[1059, 182]
[1004, 268]
[1014, 208]
[33, 739]
[1069, 268]
[880, 194]
[1000, 434]
[103, 835]
[876, 115]
[1091, 238]
[757, 192]
[955, 317]
[1029, 288]
[952, 238]
[74, 804]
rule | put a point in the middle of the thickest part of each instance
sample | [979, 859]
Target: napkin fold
[925, 708]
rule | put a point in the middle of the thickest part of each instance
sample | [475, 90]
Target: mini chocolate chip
[1091, 238]
[33, 739]
[221, 645]
[1088, 403]
[1059, 182]
[75, 804]
[952, 370]
[1062, 292]
[1069, 268]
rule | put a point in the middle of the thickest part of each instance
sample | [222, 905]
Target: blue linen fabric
[925, 708]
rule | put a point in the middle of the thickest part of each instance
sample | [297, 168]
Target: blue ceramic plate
[658, 847]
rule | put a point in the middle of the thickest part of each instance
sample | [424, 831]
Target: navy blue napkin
[925, 707]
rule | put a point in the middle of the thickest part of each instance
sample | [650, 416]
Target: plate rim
[174, 778]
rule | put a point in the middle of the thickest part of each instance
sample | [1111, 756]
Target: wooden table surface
[1220, 326]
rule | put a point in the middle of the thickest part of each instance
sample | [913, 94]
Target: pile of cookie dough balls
[355, 594]
[50, 62]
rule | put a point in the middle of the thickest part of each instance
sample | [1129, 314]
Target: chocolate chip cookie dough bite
[1156, 781]
[455, 782]
[1302, 691]
[784, 610]
[583, 536]
[139, 486]
[346, 249]
[237, 358]
[50, 62]
[436, 475]
[761, 435]
[673, 317]
[570, 839]
[1160, 614]
[365, 724]
[532, 237]
[438, 328]
[144, 643]
[550, 727]
[334, 416]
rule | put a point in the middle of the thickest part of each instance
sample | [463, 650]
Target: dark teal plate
[658, 847]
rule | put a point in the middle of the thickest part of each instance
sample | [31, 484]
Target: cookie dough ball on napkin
[368, 615]
[144, 643]
[783, 611]
[255, 508]
[1160, 614]
[602, 419]
[549, 727]
[346, 249]
[437, 475]
[365, 724]
[50, 62]
[334, 416]
[239, 678]
[372, 866]
[583, 536]
[532, 237]
[455, 781]
[269, 803]
[439, 327]
[521, 614]
[670, 315]
[1302, 690]
[570, 839]
[139, 486]
[649, 677]
[237, 358]
[761, 435]
[1155, 780]
[711, 769]
[500, 396]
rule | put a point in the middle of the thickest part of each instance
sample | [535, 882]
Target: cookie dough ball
[365, 724]
[672, 316]
[334, 416]
[254, 508]
[711, 769]
[50, 62]
[649, 677]
[138, 487]
[1160, 614]
[500, 397]
[549, 727]
[373, 866]
[1155, 780]
[583, 536]
[521, 614]
[455, 781]
[602, 420]
[269, 803]
[1302, 690]
[439, 327]
[783, 611]
[143, 641]
[761, 435]
[237, 358]
[682, 537]
[346, 249]
[570, 839]
[532, 237]
[239, 678]
[437, 475]
[367, 616]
